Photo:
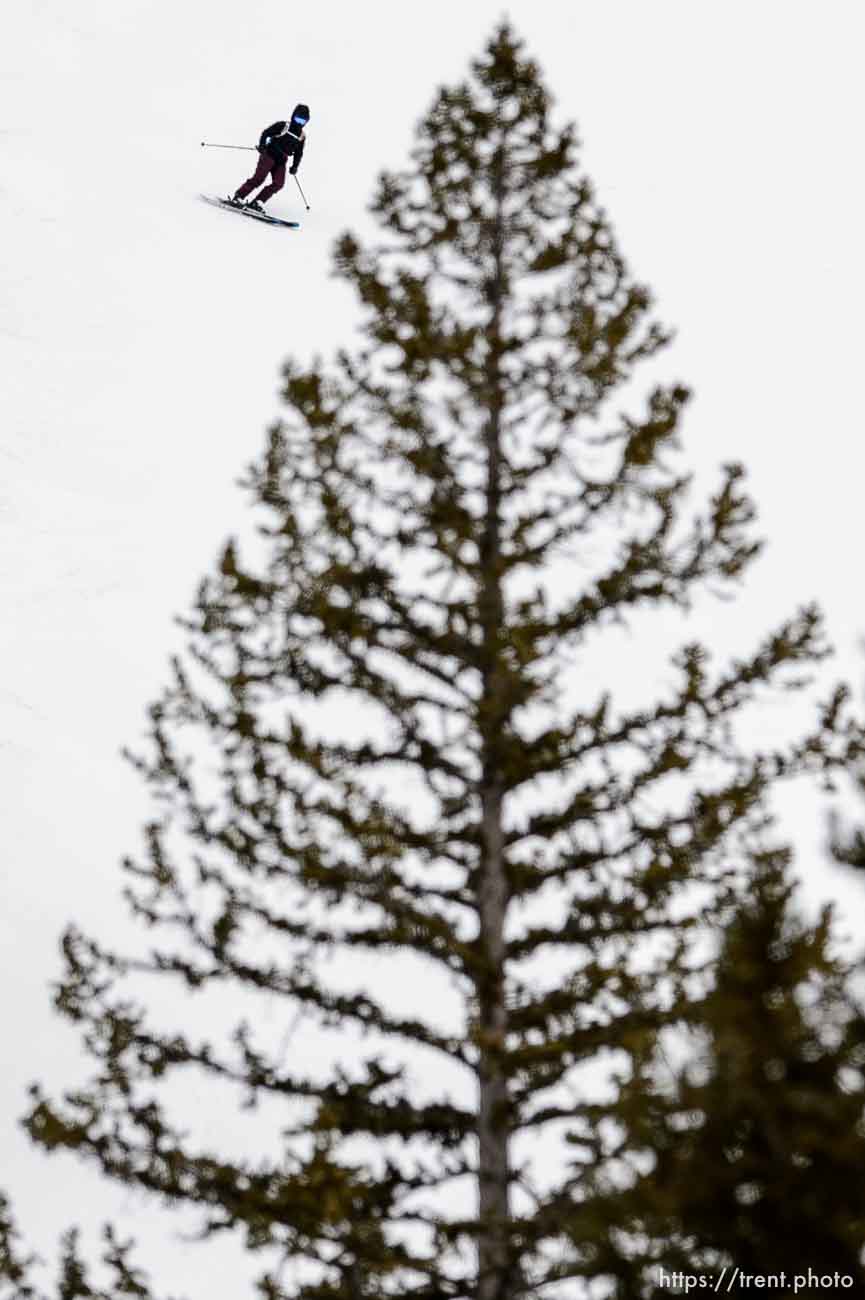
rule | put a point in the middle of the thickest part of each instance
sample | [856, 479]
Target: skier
[279, 142]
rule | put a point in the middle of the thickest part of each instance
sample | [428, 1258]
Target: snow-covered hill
[141, 334]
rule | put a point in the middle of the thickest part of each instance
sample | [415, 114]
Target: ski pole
[302, 195]
[205, 144]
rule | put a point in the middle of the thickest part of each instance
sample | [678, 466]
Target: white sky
[141, 333]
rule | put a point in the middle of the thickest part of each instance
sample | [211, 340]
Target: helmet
[300, 116]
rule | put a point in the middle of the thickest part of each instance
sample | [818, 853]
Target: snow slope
[141, 334]
[140, 338]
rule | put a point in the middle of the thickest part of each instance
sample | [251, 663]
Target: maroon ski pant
[267, 166]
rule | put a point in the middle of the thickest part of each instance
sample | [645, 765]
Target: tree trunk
[494, 1174]
[493, 1122]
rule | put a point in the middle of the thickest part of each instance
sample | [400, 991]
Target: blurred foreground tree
[395, 803]
[752, 1140]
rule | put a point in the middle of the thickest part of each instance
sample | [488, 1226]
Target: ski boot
[253, 206]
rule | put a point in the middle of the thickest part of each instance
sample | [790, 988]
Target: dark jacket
[282, 143]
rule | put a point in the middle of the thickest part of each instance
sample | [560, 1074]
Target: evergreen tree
[756, 1139]
[379, 757]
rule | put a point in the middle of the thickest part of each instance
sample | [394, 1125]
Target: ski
[264, 217]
